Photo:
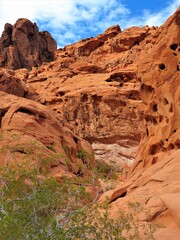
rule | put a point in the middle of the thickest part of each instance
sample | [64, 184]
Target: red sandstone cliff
[101, 89]
[154, 177]
[23, 46]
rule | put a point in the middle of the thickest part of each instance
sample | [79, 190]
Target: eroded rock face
[31, 132]
[98, 92]
[23, 46]
[104, 108]
[9, 83]
[93, 85]
[100, 87]
[154, 179]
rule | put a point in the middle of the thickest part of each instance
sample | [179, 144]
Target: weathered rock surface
[23, 46]
[96, 88]
[154, 178]
[32, 133]
[93, 85]
[9, 83]
[100, 87]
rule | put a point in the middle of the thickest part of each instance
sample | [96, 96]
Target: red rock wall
[154, 179]
[23, 46]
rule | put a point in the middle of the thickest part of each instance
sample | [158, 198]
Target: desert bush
[38, 207]
[32, 207]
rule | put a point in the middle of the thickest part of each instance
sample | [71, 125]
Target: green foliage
[40, 208]
[105, 171]
[43, 209]
[81, 154]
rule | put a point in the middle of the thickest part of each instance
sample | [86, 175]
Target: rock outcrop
[32, 133]
[154, 179]
[112, 90]
[93, 85]
[95, 88]
[23, 46]
[9, 83]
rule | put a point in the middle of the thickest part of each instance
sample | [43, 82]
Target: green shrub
[36, 208]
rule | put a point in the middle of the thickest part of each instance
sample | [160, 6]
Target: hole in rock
[123, 195]
[84, 98]
[175, 54]
[154, 121]
[2, 114]
[147, 88]
[162, 143]
[147, 132]
[165, 101]
[160, 118]
[150, 119]
[162, 66]
[54, 166]
[178, 68]
[23, 151]
[25, 110]
[60, 94]
[42, 117]
[154, 160]
[109, 80]
[174, 130]
[75, 139]
[153, 149]
[96, 98]
[171, 146]
[121, 84]
[173, 46]
[171, 108]
[155, 108]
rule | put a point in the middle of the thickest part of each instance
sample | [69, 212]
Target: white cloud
[63, 15]
[153, 18]
[156, 19]
[71, 20]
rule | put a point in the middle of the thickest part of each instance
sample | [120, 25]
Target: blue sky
[71, 20]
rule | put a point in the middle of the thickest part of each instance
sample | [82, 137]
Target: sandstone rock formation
[154, 179]
[32, 133]
[102, 88]
[91, 82]
[94, 87]
[23, 46]
[11, 84]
